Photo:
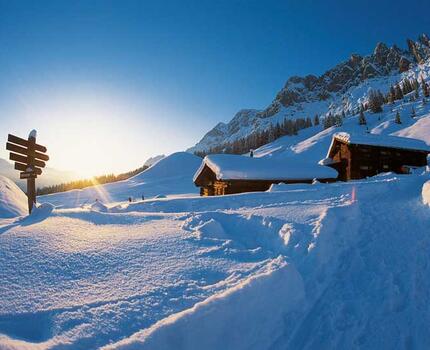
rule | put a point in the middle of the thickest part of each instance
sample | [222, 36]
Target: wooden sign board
[27, 175]
[29, 158]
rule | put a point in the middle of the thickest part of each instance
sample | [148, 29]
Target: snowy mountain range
[341, 88]
[51, 176]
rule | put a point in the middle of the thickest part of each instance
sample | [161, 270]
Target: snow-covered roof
[235, 167]
[382, 141]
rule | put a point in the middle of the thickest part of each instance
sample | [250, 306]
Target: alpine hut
[362, 155]
[221, 174]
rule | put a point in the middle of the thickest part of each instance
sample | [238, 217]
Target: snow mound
[426, 193]
[176, 165]
[229, 317]
[419, 130]
[212, 229]
[13, 202]
[99, 206]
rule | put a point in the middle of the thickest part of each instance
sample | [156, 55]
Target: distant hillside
[172, 175]
[50, 176]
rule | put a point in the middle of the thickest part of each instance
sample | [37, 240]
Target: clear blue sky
[118, 81]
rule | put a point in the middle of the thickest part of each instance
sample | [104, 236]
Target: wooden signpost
[29, 158]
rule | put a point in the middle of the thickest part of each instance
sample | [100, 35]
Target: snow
[13, 202]
[233, 167]
[382, 141]
[426, 193]
[152, 160]
[419, 130]
[208, 324]
[304, 266]
[33, 134]
[171, 175]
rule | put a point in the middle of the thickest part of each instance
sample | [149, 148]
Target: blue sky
[110, 83]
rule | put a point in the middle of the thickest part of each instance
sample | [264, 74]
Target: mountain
[152, 160]
[50, 176]
[342, 88]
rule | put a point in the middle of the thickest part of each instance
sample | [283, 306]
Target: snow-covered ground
[13, 202]
[324, 266]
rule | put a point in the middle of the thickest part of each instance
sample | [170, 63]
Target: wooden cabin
[364, 155]
[222, 174]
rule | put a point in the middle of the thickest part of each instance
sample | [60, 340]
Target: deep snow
[308, 266]
[13, 202]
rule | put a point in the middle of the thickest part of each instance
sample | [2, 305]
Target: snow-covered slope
[13, 202]
[171, 175]
[323, 266]
[341, 88]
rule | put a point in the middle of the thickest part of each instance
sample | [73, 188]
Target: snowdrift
[228, 320]
[13, 202]
[171, 175]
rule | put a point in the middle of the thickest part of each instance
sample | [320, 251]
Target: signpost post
[29, 158]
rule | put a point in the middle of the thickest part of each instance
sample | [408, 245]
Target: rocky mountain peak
[299, 91]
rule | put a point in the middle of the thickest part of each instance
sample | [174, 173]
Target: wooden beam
[22, 142]
[23, 167]
[17, 149]
[41, 156]
[21, 150]
[23, 159]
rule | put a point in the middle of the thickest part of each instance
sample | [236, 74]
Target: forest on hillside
[96, 180]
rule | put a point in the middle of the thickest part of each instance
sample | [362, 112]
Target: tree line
[79, 184]
[259, 138]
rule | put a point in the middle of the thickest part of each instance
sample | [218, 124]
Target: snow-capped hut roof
[236, 167]
[387, 141]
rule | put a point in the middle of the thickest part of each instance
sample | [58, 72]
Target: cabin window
[385, 153]
[386, 167]
[365, 150]
[365, 167]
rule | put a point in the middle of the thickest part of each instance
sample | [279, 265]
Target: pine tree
[391, 95]
[316, 120]
[339, 120]
[397, 120]
[362, 119]
[398, 92]
[406, 86]
[343, 114]
[417, 94]
[376, 100]
[413, 114]
[425, 88]
[415, 84]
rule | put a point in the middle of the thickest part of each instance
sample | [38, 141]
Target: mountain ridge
[298, 93]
